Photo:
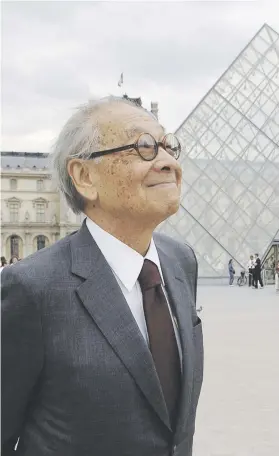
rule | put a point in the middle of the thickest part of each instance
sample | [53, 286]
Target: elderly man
[102, 351]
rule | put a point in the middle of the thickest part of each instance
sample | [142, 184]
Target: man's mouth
[163, 184]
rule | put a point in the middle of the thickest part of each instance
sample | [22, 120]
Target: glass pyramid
[230, 160]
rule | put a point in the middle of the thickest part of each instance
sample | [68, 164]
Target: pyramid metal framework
[230, 160]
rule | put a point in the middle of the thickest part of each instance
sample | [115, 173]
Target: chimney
[154, 108]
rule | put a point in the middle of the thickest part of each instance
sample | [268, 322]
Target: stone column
[63, 230]
[3, 245]
[27, 245]
[53, 238]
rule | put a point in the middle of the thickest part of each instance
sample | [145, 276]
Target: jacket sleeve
[21, 350]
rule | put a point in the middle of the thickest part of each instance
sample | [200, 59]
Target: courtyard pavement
[238, 411]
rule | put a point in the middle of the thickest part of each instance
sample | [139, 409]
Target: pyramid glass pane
[230, 161]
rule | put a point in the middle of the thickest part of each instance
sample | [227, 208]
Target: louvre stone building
[230, 160]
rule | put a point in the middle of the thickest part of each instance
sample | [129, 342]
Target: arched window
[41, 242]
[14, 246]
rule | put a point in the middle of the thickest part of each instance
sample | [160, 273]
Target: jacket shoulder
[183, 254]
[44, 263]
[181, 250]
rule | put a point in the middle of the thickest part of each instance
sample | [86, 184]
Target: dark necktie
[162, 341]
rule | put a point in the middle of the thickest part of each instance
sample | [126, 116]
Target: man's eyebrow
[131, 132]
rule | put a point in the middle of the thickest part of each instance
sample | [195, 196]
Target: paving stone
[238, 412]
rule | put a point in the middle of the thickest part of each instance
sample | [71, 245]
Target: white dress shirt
[126, 265]
[251, 264]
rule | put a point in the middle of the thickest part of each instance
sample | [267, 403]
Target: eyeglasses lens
[172, 145]
[147, 147]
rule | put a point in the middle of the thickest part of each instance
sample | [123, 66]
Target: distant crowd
[14, 259]
[254, 268]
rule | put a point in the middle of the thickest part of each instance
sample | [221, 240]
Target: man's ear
[83, 178]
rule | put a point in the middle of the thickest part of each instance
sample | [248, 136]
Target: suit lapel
[180, 300]
[103, 299]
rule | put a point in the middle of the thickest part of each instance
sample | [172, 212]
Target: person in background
[271, 263]
[231, 272]
[271, 266]
[14, 259]
[257, 273]
[250, 267]
[3, 263]
[277, 277]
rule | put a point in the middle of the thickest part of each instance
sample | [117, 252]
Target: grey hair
[79, 137]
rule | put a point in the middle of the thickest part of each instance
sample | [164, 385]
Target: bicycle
[242, 279]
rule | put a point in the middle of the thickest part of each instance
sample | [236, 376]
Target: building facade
[33, 213]
[230, 160]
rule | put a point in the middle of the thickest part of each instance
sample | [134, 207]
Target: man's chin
[173, 207]
[166, 210]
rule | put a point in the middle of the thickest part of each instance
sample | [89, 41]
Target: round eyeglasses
[147, 147]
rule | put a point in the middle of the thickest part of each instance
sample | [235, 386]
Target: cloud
[56, 55]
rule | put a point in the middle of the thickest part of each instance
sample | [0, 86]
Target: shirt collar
[125, 262]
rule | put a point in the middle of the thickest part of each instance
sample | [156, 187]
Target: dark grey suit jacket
[77, 376]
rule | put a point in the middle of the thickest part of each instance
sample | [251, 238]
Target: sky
[58, 55]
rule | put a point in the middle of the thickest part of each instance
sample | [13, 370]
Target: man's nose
[166, 162]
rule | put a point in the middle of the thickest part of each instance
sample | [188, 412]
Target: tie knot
[149, 276]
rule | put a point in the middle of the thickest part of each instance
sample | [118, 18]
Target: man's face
[128, 187]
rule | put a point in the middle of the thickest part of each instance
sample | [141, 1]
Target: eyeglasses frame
[135, 146]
